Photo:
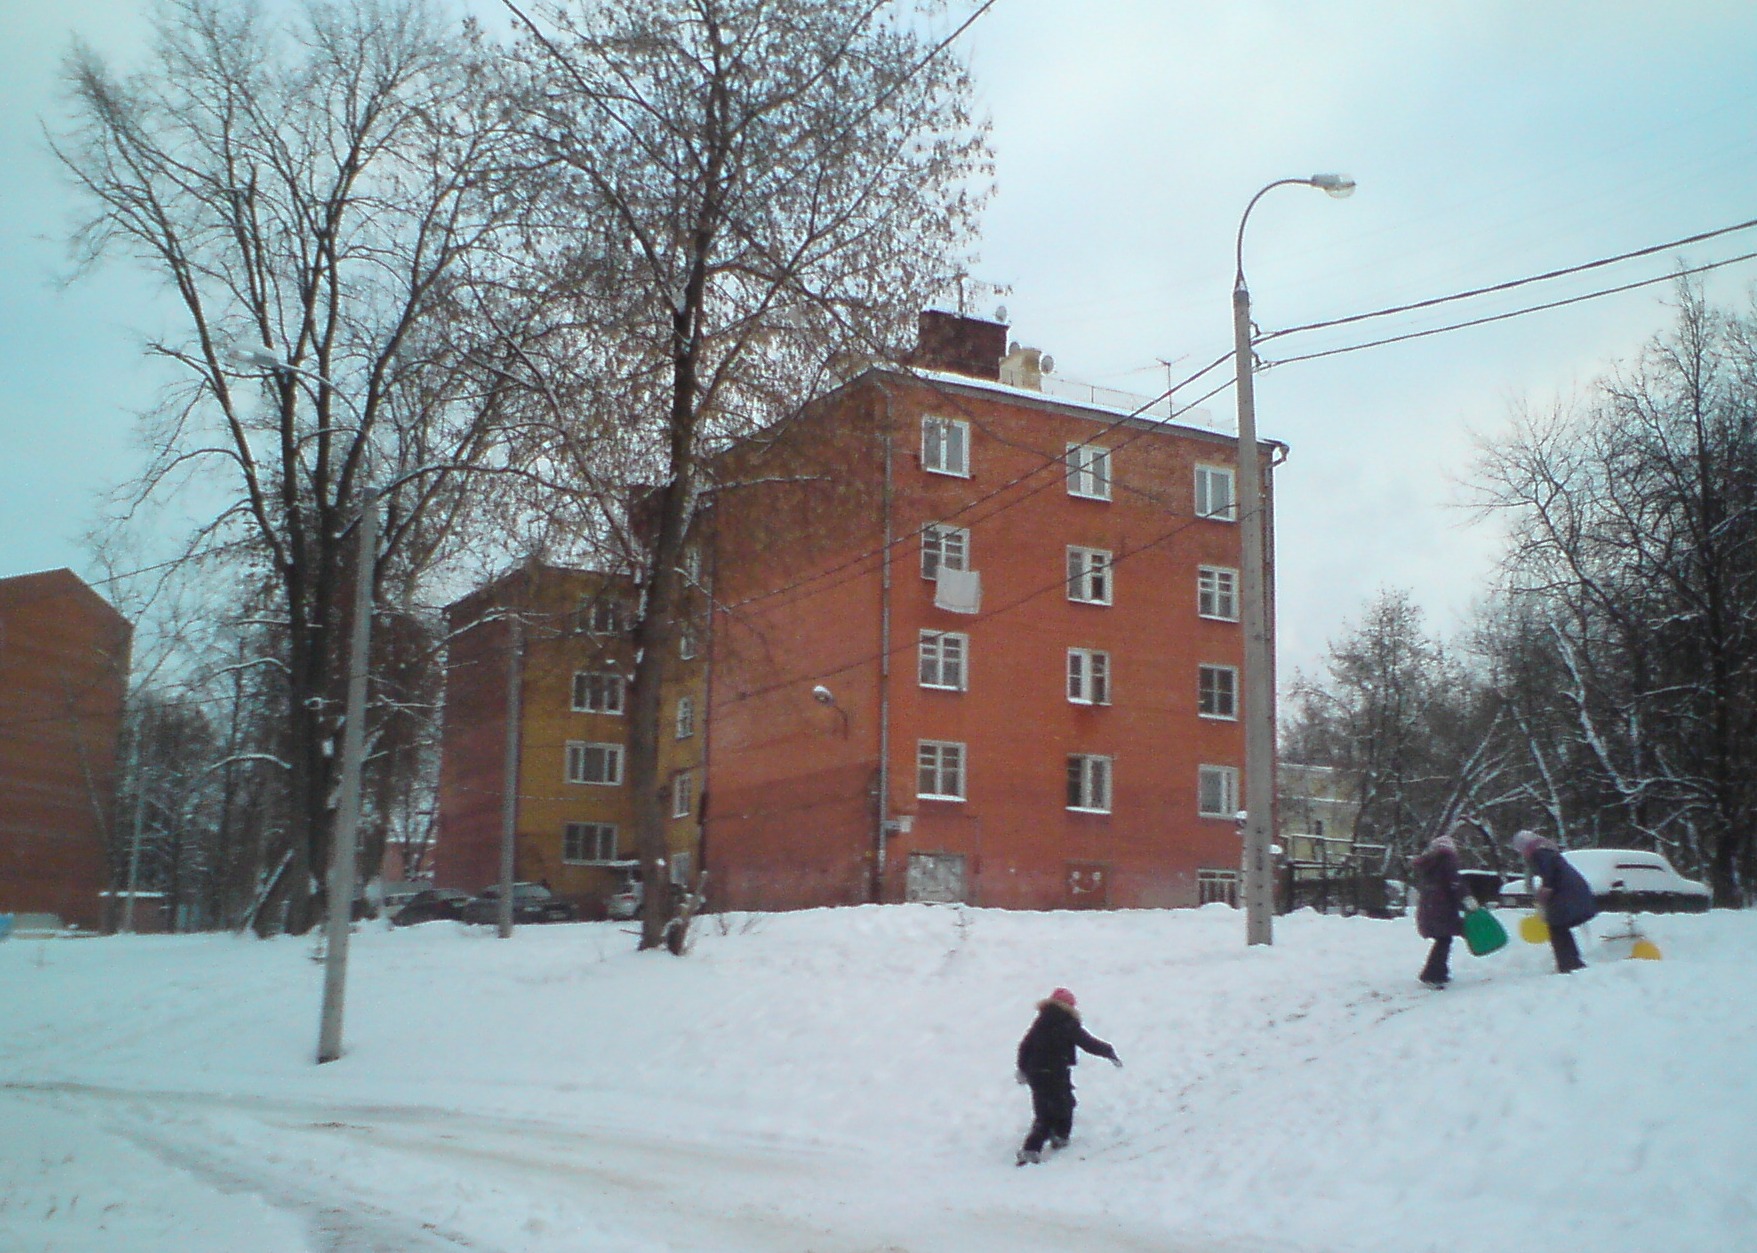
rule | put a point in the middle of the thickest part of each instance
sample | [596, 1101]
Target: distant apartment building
[64, 656]
[560, 638]
[976, 638]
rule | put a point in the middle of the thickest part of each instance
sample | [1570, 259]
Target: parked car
[1625, 880]
[431, 905]
[531, 902]
[1484, 885]
[625, 901]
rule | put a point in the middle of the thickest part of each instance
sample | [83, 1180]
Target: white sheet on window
[959, 591]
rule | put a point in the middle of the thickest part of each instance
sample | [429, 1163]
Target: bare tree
[1635, 529]
[752, 192]
[324, 192]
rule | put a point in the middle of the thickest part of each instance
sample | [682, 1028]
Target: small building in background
[571, 657]
[1322, 865]
[64, 657]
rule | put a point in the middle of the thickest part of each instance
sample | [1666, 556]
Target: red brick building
[973, 640]
[64, 655]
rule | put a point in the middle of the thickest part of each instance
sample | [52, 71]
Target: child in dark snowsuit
[1565, 897]
[1441, 898]
[1046, 1056]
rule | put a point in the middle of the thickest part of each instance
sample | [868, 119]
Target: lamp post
[1253, 595]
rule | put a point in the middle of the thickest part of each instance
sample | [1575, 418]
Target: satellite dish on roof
[1045, 364]
[1000, 313]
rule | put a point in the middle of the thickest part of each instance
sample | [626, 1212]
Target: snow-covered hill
[842, 1080]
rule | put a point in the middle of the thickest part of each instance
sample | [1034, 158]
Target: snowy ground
[841, 1081]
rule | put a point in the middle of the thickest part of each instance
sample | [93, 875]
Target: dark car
[531, 902]
[431, 905]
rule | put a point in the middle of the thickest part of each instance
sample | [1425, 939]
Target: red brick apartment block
[975, 641]
[63, 682]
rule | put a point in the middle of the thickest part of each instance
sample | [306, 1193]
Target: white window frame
[1217, 692]
[685, 717]
[1091, 575]
[943, 547]
[944, 660]
[600, 833]
[1089, 783]
[1089, 471]
[1217, 593]
[578, 755]
[938, 763]
[604, 616]
[683, 794]
[1216, 885]
[1088, 676]
[598, 692]
[1222, 782]
[1207, 504]
[687, 643]
[945, 446]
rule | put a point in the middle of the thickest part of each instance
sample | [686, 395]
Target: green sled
[1483, 932]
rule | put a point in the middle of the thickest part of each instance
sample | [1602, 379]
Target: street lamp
[1253, 595]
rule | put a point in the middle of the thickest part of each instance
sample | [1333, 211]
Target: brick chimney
[960, 345]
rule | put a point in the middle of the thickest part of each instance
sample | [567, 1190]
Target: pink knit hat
[1525, 841]
[1064, 996]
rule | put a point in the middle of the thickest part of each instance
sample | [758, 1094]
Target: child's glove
[1470, 905]
[1117, 1062]
[1020, 1076]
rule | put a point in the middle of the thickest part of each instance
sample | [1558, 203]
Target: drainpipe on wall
[884, 731]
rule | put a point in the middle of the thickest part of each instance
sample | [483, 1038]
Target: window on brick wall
[941, 545]
[1089, 471]
[944, 657]
[583, 843]
[1216, 885]
[939, 770]
[1217, 691]
[1088, 676]
[1217, 592]
[1089, 577]
[597, 692]
[1089, 783]
[685, 717]
[594, 763]
[945, 446]
[1217, 791]
[1214, 494]
[683, 794]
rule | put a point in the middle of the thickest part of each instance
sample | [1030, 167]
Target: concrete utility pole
[509, 797]
[139, 827]
[343, 854]
[1259, 654]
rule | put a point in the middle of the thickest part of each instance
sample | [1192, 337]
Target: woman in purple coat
[1564, 896]
[1439, 906]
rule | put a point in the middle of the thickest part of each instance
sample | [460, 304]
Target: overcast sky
[1491, 139]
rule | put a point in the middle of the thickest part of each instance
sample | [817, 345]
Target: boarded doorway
[936, 877]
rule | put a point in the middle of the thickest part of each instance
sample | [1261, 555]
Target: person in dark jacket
[1562, 894]
[1440, 905]
[1046, 1058]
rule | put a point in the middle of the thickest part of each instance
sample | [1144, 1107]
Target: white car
[1625, 879]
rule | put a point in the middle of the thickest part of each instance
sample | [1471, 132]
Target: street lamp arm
[1338, 185]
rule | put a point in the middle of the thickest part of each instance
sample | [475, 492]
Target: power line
[1512, 284]
[1515, 313]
